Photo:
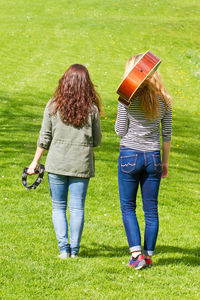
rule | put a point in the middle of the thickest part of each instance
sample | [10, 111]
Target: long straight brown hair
[150, 92]
[74, 96]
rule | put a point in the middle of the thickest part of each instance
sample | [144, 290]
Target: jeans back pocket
[128, 163]
[157, 163]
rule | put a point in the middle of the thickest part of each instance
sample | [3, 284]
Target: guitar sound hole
[141, 70]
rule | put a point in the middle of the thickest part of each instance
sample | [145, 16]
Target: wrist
[35, 161]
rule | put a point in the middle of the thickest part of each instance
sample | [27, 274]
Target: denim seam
[145, 160]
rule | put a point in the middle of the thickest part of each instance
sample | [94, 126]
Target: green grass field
[39, 40]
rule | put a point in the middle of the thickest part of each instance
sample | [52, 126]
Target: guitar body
[145, 67]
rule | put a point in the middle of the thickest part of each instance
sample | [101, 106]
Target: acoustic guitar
[145, 67]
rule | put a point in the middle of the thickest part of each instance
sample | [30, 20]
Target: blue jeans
[59, 186]
[144, 168]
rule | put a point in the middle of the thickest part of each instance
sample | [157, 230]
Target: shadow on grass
[17, 109]
[23, 113]
[20, 121]
[21, 118]
[188, 256]
[185, 135]
[103, 251]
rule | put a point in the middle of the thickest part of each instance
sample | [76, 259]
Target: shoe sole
[143, 265]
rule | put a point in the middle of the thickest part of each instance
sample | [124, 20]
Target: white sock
[136, 253]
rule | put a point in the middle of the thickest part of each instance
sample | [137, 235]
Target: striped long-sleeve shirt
[139, 133]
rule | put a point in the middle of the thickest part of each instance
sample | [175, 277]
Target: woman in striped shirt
[140, 162]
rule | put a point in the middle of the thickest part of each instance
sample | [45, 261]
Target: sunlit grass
[39, 40]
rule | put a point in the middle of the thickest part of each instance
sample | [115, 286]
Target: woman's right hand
[32, 168]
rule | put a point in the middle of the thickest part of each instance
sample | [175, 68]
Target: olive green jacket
[70, 149]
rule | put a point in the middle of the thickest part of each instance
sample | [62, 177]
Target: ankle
[147, 256]
[135, 253]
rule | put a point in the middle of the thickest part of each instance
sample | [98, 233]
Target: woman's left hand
[164, 170]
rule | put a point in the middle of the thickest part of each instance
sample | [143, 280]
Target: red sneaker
[148, 262]
[137, 263]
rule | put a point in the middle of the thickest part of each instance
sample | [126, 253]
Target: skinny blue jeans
[144, 168]
[59, 186]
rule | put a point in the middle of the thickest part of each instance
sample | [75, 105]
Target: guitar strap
[40, 171]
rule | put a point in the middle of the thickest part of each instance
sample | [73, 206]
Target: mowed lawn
[39, 40]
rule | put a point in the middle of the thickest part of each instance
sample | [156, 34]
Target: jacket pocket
[157, 163]
[128, 163]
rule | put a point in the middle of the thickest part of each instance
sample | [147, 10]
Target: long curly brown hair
[150, 91]
[74, 96]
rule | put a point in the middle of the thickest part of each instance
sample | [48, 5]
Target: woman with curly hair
[140, 162]
[69, 131]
